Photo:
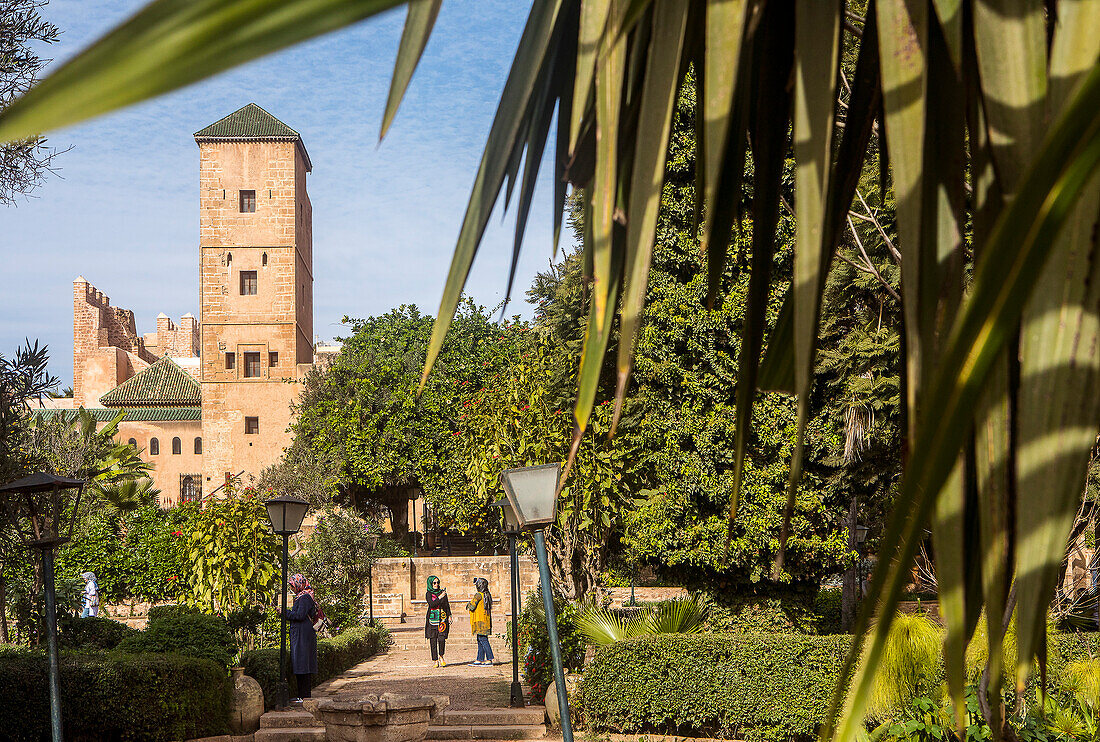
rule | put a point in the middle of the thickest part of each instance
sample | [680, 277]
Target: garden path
[407, 668]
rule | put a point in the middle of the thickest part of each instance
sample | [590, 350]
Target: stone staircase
[495, 724]
[290, 726]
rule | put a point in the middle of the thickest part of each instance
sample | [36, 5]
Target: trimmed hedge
[334, 655]
[752, 686]
[113, 697]
[199, 635]
[92, 633]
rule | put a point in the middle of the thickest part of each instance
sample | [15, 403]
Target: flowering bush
[538, 665]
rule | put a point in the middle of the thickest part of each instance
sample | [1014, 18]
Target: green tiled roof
[133, 414]
[250, 122]
[162, 384]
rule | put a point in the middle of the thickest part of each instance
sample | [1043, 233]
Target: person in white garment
[91, 595]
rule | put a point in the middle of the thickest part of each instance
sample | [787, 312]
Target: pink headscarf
[299, 584]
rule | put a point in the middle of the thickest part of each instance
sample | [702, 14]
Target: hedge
[753, 686]
[201, 635]
[113, 697]
[335, 655]
[92, 633]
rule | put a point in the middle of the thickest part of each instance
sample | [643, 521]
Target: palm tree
[990, 114]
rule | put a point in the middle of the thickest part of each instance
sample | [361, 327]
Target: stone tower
[256, 263]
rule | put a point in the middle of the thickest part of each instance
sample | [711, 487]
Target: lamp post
[373, 540]
[34, 506]
[285, 515]
[532, 492]
[511, 530]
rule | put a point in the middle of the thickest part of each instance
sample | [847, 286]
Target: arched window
[198, 445]
[132, 442]
[229, 259]
[263, 260]
[177, 446]
[154, 447]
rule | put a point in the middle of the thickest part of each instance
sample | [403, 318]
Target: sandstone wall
[169, 468]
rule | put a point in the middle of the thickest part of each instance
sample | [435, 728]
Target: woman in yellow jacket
[481, 621]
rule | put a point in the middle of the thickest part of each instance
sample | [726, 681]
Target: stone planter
[385, 718]
[246, 704]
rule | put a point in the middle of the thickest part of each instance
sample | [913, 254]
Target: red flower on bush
[177, 533]
[172, 578]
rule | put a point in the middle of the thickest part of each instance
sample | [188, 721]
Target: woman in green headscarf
[438, 621]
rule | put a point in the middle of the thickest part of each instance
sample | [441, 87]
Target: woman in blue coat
[303, 639]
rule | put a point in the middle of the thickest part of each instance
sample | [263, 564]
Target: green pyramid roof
[162, 384]
[251, 123]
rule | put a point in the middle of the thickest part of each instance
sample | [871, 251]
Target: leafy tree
[228, 551]
[337, 558]
[23, 163]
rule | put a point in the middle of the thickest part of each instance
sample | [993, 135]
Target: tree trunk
[4, 610]
[850, 587]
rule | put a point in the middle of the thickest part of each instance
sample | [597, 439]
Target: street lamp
[372, 539]
[532, 492]
[285, 515]
[511, 530]
[34, 506]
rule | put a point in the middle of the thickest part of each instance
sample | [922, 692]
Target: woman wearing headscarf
[437, 624]
[91, 595]
[303, 639]
[481, 621]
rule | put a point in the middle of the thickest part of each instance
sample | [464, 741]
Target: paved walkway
[407, 668]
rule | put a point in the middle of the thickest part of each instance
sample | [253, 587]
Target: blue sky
[124, 210]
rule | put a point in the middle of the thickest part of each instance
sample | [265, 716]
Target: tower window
[177, 446]
[198, 446]
[263, 260]
[248, 283]
[251, 365]
[273, 359]
[252, 425]
[154, 447]
[248, 201]
[230, 361]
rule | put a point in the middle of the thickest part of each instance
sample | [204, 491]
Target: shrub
[538, 669]
[158, 612]
[92, 633]
[112, 696]
[333, 657]
[754, 686]
[192, 634]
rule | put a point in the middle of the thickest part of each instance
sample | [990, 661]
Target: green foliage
[193, 634]
[229, 551]
[742, 686]
[601, 626]
[333, 657]
[114, 697]
[534, 642]
[910, 664]
[337, 559]
[94, 632]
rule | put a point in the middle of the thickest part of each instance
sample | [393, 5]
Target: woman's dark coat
[303, 639]
[433, 603]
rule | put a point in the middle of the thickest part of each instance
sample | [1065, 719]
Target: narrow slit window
[248, 283]
[177, 446]
[251, 365]
[263, 260]
[198, 445]
[252, 425]
[230, 361]
[154, 447]
[248, 201]
[273, 359]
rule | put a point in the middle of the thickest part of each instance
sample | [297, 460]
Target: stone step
[287, 719]
[292, 734]
[523, 731]
[505, 717]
